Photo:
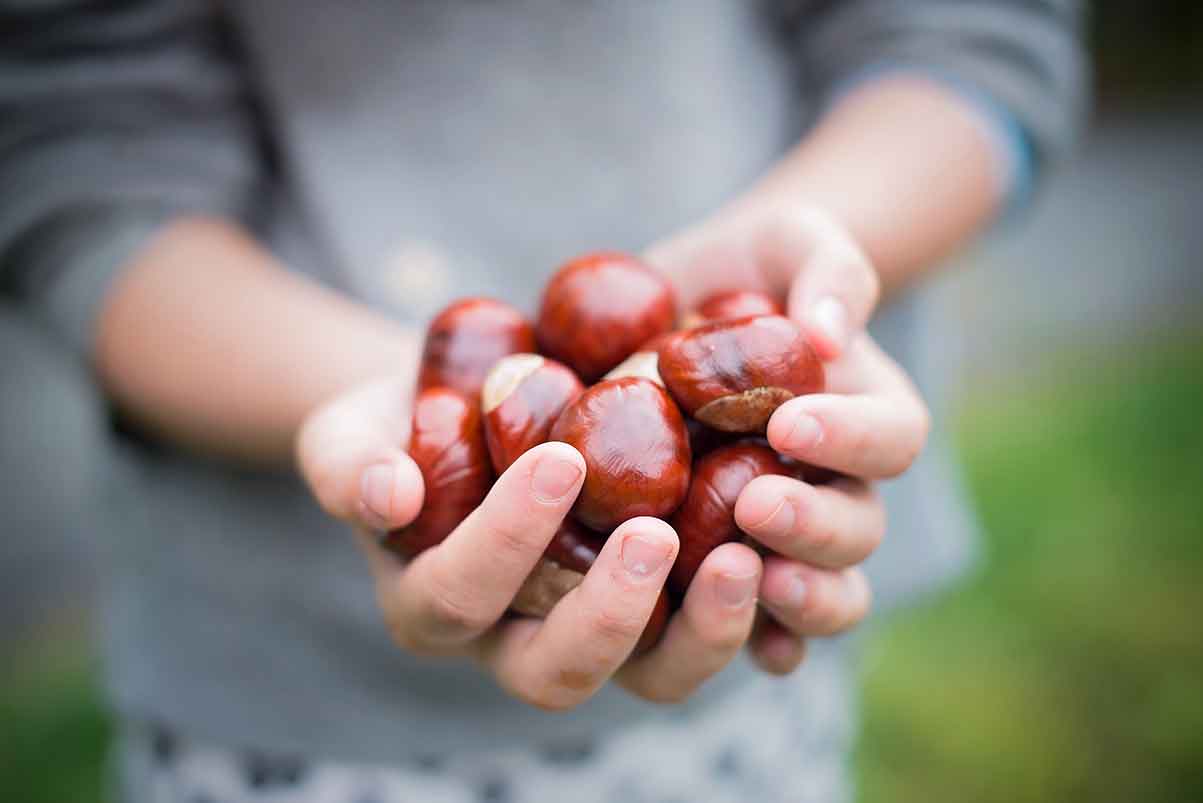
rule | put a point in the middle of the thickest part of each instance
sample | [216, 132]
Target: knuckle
[615, 629]
[400, 627]
[511, 540]
[859, 438]
[820, 613]
[449, 612]
[722, 643]
[820, 536]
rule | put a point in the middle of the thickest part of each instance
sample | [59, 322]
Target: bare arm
[908, 168]
[207, 341]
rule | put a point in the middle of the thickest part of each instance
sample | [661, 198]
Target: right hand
[452, 599]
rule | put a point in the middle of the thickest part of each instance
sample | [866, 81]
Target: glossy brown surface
[733, 304]
[636, 451]
[523, 396]
[732, 375]
[599, 308]
[466, 339]
[448, 444]
[707, 517]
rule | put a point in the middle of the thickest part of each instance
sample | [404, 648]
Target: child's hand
[870, 424]
[452, 599]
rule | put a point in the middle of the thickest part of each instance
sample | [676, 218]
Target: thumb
[834, 293]
[351, 454]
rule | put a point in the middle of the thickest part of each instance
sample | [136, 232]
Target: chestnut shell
[707, 517]
[448, 445]
[636, 451]
[728, 304]
[599, 308]
[523, 396]
[733, 374]
[466, 339]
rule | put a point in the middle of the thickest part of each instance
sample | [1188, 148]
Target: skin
[249, 362]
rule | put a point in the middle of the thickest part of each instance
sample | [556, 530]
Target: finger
[711, 627]
[830, 526]
[351, 454]
[561, 662]
[834, 288]
[453, 592]
[774, 649]
[813, 602]
[874, 432]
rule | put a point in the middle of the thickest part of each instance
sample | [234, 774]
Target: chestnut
[729, 304]
[599, 308]
[522, 397]
[635, 447]
[448, 444]
[707, 517]
[466, 339]
[563, 566]
[645, 362]
[732, 375]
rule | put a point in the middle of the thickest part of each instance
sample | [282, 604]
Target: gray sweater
[407, 153]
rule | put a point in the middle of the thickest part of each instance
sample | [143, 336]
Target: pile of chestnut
[670, 421]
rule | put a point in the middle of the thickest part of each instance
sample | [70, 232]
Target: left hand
[870, 423]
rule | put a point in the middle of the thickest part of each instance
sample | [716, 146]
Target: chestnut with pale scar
[732, 375]
[523, 396]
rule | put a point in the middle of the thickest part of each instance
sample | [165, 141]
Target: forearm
[206, 341]
[905, 164]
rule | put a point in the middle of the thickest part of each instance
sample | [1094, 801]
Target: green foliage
[1071, 666]
[54, 731]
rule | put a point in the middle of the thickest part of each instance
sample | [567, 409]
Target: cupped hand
[453, 599]
[869, 424]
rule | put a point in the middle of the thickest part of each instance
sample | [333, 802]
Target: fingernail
[736, 590]
[553, 478]
[831, 317]
[376, 491]
[806, 433]
[643, 557]
[779, 522]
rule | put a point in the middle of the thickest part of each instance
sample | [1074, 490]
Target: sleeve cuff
[80, 260]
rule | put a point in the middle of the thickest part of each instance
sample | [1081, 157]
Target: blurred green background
[1069, 666]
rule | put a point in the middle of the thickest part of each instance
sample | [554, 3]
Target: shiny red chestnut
[523, 396]
[563, 567]
[707, 517]
[466, 339]
[599, 308]
[448, 444]
[636, 451]
[732, 375]
[729, 304]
